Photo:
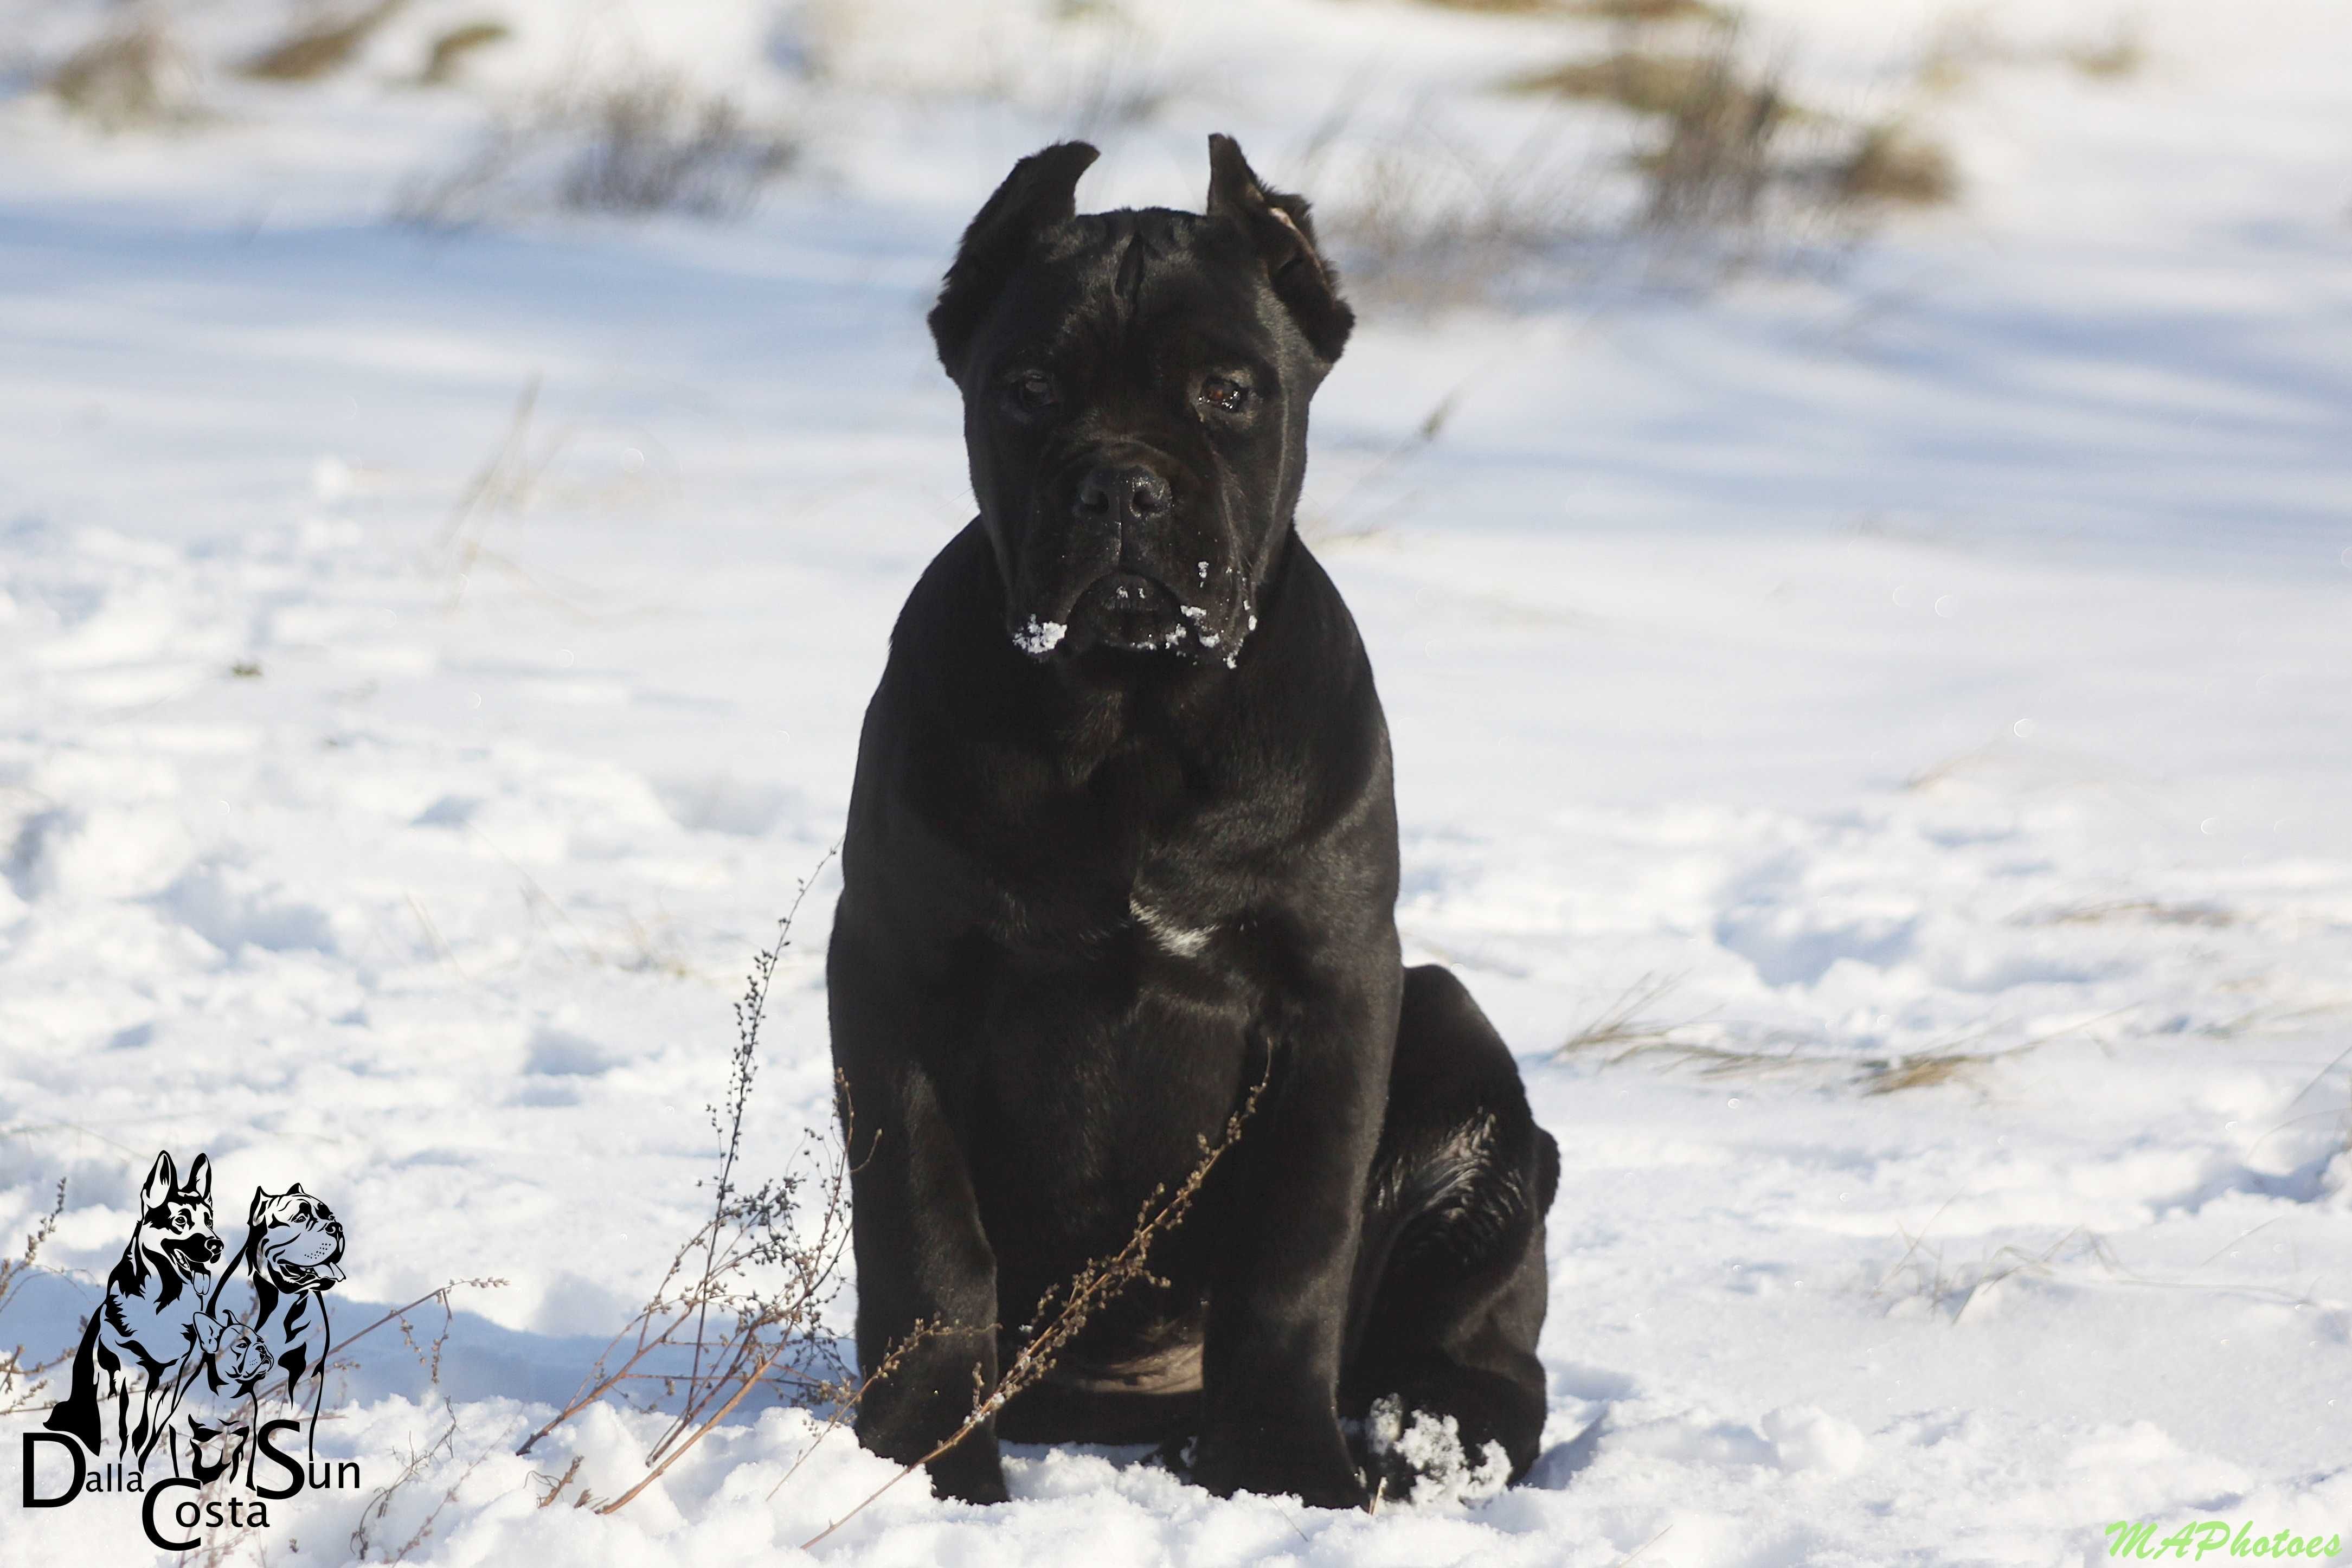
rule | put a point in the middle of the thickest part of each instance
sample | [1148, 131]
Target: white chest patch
[1185, 942]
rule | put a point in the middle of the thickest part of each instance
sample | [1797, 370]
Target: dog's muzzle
[1138, 569]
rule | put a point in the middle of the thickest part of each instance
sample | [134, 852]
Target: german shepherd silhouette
[130, 1363]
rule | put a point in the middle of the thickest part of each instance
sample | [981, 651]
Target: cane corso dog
[127, 1369]
[1121, 864]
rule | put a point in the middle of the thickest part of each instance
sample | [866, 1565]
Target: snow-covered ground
[1908, 705]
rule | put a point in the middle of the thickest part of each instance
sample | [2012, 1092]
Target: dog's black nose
[1124, 494]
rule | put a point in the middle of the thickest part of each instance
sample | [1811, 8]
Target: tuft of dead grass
[1894, 165]
[1645, 82]
[1922, 1273]
[450, 50]
[1623, 1033]
[1625, 1025]
[24, 1380]
[1743, 172]
[2122, 54]
[1967, 46]
[1717, 162]
[2155, 910]
[744, 1302]
[134, 76]
[634, 146]
[1928, 1069]
[1652, 13]
[1501, 7]
[1431, 222]
[322, 50]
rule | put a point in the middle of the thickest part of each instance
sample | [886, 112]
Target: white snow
[1038, 637]
[1898, 714]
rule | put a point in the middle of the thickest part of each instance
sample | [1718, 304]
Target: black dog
[1122, 848]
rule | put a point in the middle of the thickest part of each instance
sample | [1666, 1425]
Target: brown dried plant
[744, 1300]
[25, 1383]
[1064, 1311]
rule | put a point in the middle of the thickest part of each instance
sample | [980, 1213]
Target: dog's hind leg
[1451, 1287]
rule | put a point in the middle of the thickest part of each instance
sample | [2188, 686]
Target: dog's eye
[1224, 394]
[1031, 391]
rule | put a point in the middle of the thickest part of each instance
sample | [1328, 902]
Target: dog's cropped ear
[162, 1177]
[1042, 190]
[1279, 225]
[200, 1178]
[260, 1201]
[297, 1187]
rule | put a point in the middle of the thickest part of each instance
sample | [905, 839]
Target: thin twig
[1092, 1288]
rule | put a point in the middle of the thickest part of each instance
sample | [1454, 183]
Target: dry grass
[743, 1305]
[1420, 218]
[24, 1382]
[1652, 13]
[2153, 911]
[656, 145]
[1501, 7]
[633, 146]
[134, 76]
[1742, 173]
[1717, 162]
[1894, 165]
[320, 50]
[452, 49]
[1928, 1071]
[1624, 1027]
[1967, 46]
[1628, 1030]
[1654, 83]
[1922, 1274]
[2121, 54]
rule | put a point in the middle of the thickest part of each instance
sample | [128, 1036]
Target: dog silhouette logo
[135, 1350]
[201, 1364]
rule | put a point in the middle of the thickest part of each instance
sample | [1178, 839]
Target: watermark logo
[209, 1373]
[2132, 1538]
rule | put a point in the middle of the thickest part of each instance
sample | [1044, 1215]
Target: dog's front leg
[1278, 1306]
[926, 1273]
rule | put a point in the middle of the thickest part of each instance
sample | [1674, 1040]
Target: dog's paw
[968, 1473]
[1318, 1475]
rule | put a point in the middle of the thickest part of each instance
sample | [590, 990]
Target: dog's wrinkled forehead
[292, 1207]
[1097, 278]
[1031, 260]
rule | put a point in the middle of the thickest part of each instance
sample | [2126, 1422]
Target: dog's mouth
[201, 1251]
[1130, 612]
[1126, 610]
[304, 1276]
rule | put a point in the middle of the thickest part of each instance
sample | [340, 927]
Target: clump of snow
[1431, 1446]
[1038, 639]
[1807, 1438]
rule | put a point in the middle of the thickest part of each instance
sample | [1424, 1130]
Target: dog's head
[296, 1243]
[175, 1221]
[236, 1349]
[1135, 388]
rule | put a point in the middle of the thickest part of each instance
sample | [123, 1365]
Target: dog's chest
[155, 1316]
